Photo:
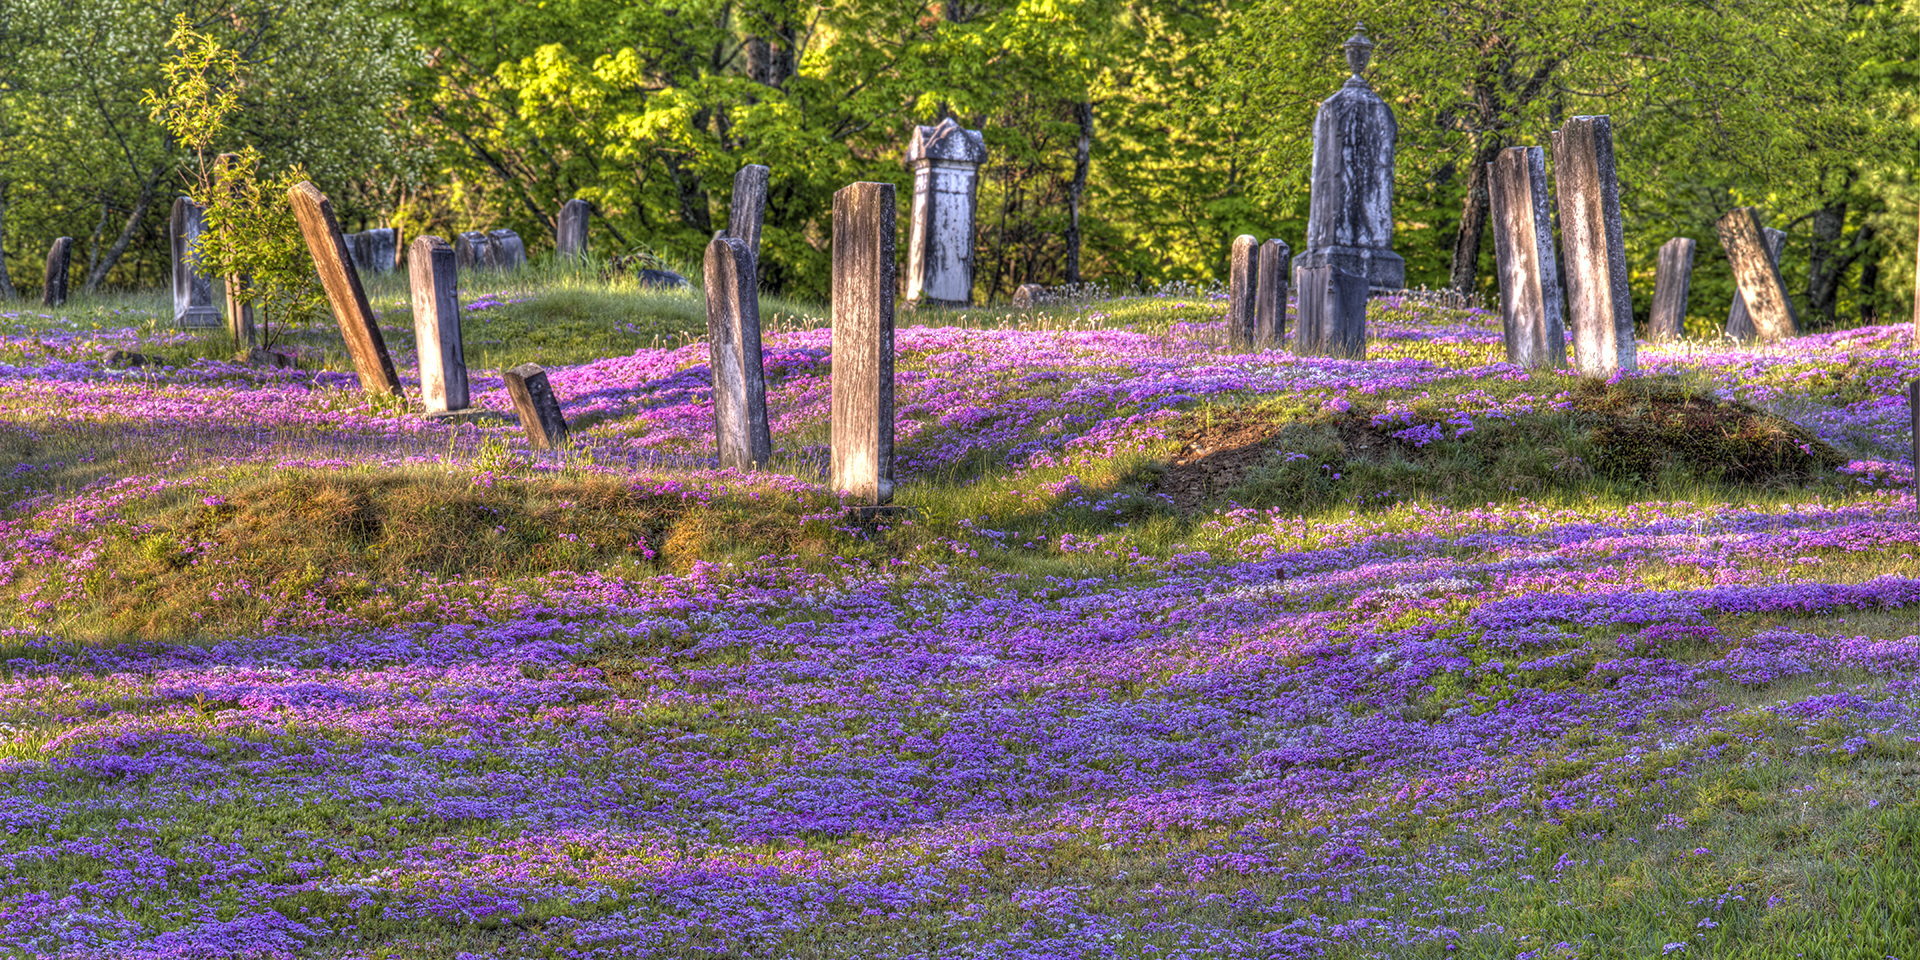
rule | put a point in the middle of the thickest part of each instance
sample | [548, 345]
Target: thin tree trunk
[6, 283]
[1465, 274]
[140, 206]
[1082, 157]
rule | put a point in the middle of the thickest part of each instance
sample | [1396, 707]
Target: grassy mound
[1629, 438]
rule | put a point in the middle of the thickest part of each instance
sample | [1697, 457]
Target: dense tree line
[1130, 140]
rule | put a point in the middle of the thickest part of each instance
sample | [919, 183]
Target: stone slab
[946, 160]
[53, 292]
[344, 294]
[1270, 295]
[863, 294]
[748, 210]
[733, 343]
[473, 250]
[509, 251]
[1333, 314]
[1350, 213]
[192, 290]
[570, 236]
[1594, 253]
[539, 409]
[1672, 281]
[1530, 301]
[1243, 276]
[1740, 320]
[434, 280]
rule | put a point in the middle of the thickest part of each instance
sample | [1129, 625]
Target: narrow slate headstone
[1029, 295]
[733, 341]
[749, 208]
[1243, 268]
[59, 265]
[539, 411]
[1350, 216]
[570, 238]
[863, 292]
[1736, 230]
[945, 160]
[1593, 251]
[1333, 314]
[509, 251]
[192, 289]
[344, 293]
[380, 250]
[1672, 281]
[1270, 295]
[1535, 331]
[436, 325]
[354, 251]
[473, 250]
[240, 325]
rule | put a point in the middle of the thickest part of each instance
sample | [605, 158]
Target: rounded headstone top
[1359, 50]
[946, 140]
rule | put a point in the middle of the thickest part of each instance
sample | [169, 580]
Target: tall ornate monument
[946, 160]
[1350, 222]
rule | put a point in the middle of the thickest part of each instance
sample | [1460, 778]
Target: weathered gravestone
[1333, 314]
[539, 410]
[1243, 268]
[1535, 332]
[1350, 217]
[1029, 295]
[509, 251]
[863, 291]
[570, 238]
[945, 160]
[239, 309]
[378, 250]
[733, 339]
[192, 290]
[436, 325]
[1270, 295]
[59, 264]
[1672, 281]
[473, 250]
[749, 208]
[1593, 251]
[344, 293]
[1761, 307]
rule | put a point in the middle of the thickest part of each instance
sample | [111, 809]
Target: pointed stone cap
[1359, 49]
[947, 141]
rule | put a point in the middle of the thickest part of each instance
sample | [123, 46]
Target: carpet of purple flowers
[1527, 729]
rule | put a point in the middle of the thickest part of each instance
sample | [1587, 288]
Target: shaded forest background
[1129, 141]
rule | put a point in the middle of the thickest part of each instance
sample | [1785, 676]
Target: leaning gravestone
[1599, 304]
[344, 293]
[192, 290]
[436, 326]
[473, 250]
[509, 252]
[539, 410]
[733, 339]
[1242, 273]
[1270, 295]
[1740, 322]
[945, 160]
[570, 238]
[863, 291]
[1350, 217]
[59, 265]
[749, 209]
[1672, 281]
[1333, 314]
[1534, 330]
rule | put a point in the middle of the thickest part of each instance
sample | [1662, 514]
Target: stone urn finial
[1359, 49]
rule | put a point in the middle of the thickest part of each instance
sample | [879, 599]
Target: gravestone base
[467, 415]
[1386, 271]
[200, 318]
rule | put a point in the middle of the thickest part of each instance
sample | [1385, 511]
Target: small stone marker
[945, 161]
[436, 326]
[1350, 215]
[1029, 295]
[59, 265]
[473, 250]
[664, 279]
[863, 291]
[1672, 280]
[344, 293]
[733, 339]
[1242, 274]
[1535, 331]
[1333, 314]
[1270, 295]
[192, 290]
[570, 238]
[1599, 305]
[380, 250]
[539, 412]
[509, 251]
[749, 208]
[1756, 272]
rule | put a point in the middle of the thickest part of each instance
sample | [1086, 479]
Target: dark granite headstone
[946, 160]
[1333, 314]
[344, 293]
[1270, 295]
[509, 252]
[192, 289]
[570, 239]
[473, 250]
[1672, 281]
[59, 265]
[863, 292]
[1593, 251]
[1350, 218]
[436, 325]
[733, 339]
[539, 409]
[1535, 332]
